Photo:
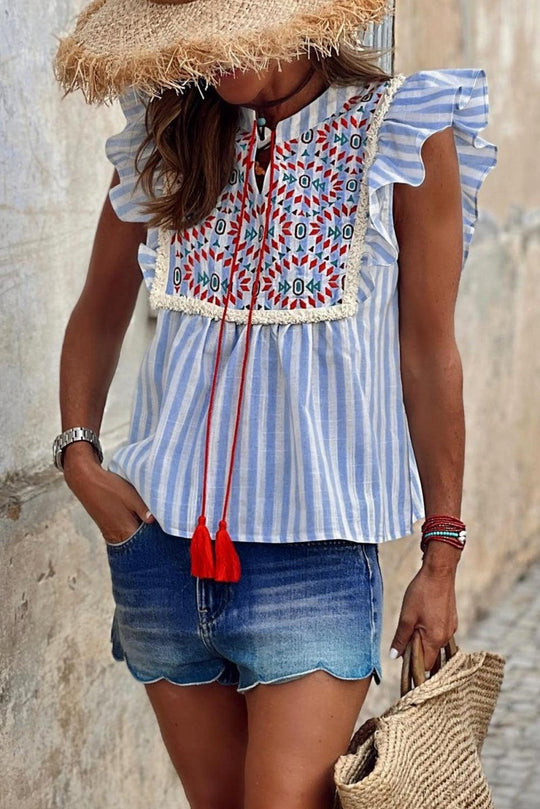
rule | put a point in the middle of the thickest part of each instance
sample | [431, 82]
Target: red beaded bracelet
[444, 529]
[448, 540]
[443, 523]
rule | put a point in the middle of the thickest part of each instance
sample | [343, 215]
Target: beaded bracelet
[444, 529]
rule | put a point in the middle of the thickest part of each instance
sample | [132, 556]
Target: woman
[301, 223]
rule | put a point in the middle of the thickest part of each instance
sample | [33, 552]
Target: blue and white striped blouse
[324, 450]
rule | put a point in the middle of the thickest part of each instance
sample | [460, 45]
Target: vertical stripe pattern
[324, 448]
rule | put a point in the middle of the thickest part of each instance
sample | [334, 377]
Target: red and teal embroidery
[314, 207]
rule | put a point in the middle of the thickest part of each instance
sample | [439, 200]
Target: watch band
[70, 437]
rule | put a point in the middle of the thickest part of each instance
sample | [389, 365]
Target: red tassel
[227, 561]
[202, 557]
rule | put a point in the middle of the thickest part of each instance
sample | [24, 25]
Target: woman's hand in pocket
[114, 504]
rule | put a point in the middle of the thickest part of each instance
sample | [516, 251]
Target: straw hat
[170, 43]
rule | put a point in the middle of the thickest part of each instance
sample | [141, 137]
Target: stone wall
[502, 37]
[75, 729]
[497, 315]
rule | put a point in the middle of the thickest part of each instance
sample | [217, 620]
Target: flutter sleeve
[121, 150]
[127, 198]
[423, 104]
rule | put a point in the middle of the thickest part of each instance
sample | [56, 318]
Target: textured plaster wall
[497, 317]
[75, 729]
[502, 37]
[54, 176]
[498, 334]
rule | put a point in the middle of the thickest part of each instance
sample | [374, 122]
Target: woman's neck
[282, 84]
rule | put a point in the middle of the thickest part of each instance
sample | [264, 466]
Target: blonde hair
[200, 167]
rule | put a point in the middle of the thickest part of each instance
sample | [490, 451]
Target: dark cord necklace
[260, 108]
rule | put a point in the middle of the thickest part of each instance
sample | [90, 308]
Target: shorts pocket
[129, 540]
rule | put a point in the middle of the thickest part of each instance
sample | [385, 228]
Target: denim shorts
[298, 607]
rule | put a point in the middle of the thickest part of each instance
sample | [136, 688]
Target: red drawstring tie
[225, 566]
[202, 556]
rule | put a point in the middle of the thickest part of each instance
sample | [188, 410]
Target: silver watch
[69, 437]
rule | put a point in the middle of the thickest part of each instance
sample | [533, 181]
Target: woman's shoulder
[418, 106]
[444, 77]
[122, 149]
[424, 103]
[431, 95]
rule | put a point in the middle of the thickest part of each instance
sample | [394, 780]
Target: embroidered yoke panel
[312, 253]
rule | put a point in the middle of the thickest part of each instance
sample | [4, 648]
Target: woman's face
[242, 87]
[249, 87]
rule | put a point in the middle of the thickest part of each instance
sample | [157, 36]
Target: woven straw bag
[424, 751]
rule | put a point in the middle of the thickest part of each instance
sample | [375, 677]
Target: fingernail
[149, 515]
[393, 653]
[427, 673]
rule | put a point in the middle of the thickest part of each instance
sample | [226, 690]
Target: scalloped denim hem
[298, 608]
[374, 670]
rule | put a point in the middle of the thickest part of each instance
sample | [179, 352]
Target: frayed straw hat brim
[121, 43]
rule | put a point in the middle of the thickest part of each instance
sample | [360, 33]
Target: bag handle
[413, 672]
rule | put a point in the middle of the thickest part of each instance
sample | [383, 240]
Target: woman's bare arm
[429, 228]
[90, 352]
[98, 323]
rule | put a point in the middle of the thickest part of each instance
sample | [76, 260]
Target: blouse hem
[378, 539]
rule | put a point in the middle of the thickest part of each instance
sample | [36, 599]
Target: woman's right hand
[112, 502]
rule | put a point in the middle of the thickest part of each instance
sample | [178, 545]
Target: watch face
[57, 453]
